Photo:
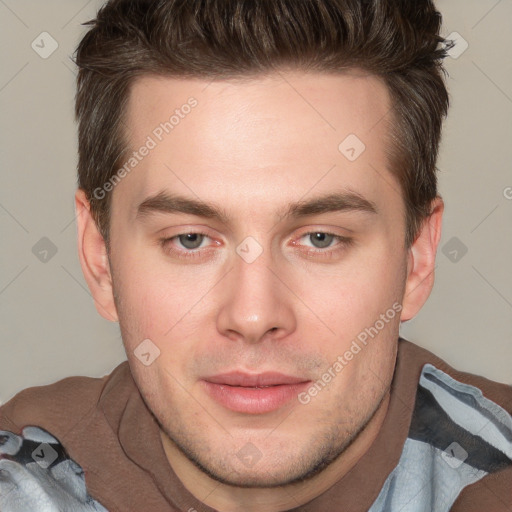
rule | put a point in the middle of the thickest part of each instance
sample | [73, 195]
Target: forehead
[292, 105]
[292, 130]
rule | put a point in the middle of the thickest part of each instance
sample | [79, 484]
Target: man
[257, 207]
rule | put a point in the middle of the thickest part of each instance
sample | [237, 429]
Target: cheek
[363, 309]
[146, 303]
[168, 309]
[352, 296]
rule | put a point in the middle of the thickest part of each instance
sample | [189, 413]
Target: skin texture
[252, 147]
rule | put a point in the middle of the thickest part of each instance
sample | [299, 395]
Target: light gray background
[49, 326]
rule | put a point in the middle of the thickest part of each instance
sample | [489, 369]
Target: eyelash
[343, 242]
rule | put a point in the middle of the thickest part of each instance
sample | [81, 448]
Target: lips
[253, 393]
[256, 380]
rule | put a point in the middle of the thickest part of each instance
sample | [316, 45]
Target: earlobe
[93, 257]
[421, 263]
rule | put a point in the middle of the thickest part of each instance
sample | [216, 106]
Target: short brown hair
[396, 40]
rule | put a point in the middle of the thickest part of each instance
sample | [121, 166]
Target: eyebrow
[164, 202]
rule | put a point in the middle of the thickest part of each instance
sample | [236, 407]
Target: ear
[421, 261]
[93, 256]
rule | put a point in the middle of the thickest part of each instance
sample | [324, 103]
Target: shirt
[91, 444]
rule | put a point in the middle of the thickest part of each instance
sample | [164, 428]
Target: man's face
[259, 291]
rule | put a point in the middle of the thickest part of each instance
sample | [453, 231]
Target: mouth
[253, 393]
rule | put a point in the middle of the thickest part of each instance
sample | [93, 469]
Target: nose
[256, 304]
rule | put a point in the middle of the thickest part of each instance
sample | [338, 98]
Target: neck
[227, 498]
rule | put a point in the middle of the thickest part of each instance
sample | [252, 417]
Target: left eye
[191, 240]
[322, 239]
